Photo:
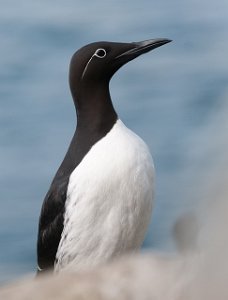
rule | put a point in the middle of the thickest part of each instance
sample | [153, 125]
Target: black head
[94, 65]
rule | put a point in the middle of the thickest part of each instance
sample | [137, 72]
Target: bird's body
[109, 201]
[100, 200]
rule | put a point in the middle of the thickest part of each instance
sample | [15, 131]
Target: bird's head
[96, 63]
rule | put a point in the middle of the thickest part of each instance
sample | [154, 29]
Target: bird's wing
[51, 225]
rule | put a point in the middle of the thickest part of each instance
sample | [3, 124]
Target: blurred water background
[175, 98]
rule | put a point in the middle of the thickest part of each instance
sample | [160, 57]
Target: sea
[174, 97]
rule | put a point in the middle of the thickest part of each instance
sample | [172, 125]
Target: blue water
[169, 97]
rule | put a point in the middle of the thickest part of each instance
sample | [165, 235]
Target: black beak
[139, 48]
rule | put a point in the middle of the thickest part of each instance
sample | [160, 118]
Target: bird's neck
[95, 118]
[94, 108]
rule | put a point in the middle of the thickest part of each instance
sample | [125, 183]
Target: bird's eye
[101, 53]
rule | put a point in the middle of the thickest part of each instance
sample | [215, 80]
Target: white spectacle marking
[96, 55]
[109, 201]
[99, 50]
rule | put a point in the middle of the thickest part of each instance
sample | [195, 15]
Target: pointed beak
[139, 48]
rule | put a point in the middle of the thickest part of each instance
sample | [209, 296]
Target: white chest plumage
[109, 201]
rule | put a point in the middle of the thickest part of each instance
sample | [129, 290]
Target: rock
[135, 277]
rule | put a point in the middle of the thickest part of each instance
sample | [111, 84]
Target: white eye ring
[100, 53]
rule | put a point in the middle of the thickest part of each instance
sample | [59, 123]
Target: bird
[99, 203]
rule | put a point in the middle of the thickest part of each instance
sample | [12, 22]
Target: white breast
[109, 201]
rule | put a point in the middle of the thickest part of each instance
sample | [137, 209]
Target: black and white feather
[100, 200]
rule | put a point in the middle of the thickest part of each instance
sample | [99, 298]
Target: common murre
[100, 200]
